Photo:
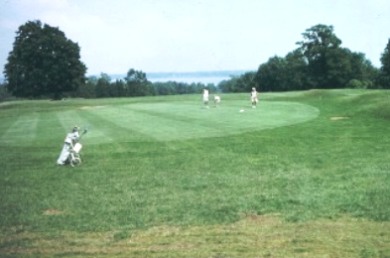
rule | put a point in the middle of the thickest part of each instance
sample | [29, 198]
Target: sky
[196, 35]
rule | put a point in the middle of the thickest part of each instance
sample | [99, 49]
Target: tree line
[45, 64]
[319, 62]
[135, 84]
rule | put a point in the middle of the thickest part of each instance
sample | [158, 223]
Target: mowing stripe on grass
[133, 125]
[102, 129]
[68, 119]
[22, 131]
[181, 120]
[161, 121]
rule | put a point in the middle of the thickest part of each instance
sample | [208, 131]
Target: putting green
[184, 120]
[162, 121]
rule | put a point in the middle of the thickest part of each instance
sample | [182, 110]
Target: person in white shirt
[70, 140]
[254, 98]
[206, 97]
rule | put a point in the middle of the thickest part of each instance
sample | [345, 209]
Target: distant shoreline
[204, 77]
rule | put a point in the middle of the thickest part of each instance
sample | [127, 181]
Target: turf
[136, 122]
[167, 177]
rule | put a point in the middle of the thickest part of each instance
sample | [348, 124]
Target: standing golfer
[254, 98]
[70, 140]
[206, 97]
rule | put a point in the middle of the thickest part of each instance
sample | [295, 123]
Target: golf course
[305, 174]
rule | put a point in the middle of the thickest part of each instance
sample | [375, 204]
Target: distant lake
[214, 77]
[196, 79]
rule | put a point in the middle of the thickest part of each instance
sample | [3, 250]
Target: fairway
[305, 174]
[159, 121]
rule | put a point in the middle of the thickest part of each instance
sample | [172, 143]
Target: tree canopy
[43, 62]
[318, 62]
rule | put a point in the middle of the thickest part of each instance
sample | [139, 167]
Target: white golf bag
[70, 153]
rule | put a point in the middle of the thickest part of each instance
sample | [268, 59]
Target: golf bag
[70, 153]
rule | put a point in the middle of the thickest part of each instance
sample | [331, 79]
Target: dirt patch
[52, 212]
[336, 118]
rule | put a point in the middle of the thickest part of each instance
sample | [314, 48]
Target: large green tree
[138, 84]
[43, 62]
[103, 86]
[321, 48]
[283, 74]
[242, 83]
[271, 76]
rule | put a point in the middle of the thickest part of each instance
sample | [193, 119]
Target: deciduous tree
[43, 62]
[138, 84]
[318, 46]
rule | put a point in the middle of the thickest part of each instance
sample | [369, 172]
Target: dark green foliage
[283, 74]
[136, 84]
[103, 86]
[43, 62]
[384, 75]
[4, 94]
[319, 62]
[87, 90]
[329, 65]
[239, 83]
[272, 75]
[296, 71]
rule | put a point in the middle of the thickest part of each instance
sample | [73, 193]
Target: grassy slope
[186, 185]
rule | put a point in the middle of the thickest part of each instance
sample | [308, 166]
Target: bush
[358, 84]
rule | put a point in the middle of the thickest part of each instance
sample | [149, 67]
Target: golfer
[206, 97]
[70, 139]
[217, 100]
[254, 98]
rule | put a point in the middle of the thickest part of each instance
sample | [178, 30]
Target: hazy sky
[196, 35]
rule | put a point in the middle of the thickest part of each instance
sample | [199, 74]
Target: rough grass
[251, 236]
[284, 180]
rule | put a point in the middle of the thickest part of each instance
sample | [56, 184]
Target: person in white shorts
[70, 140]
[254, 98]
[217, 100]
[206, 97]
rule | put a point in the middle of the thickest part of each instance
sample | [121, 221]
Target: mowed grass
[306, 174]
